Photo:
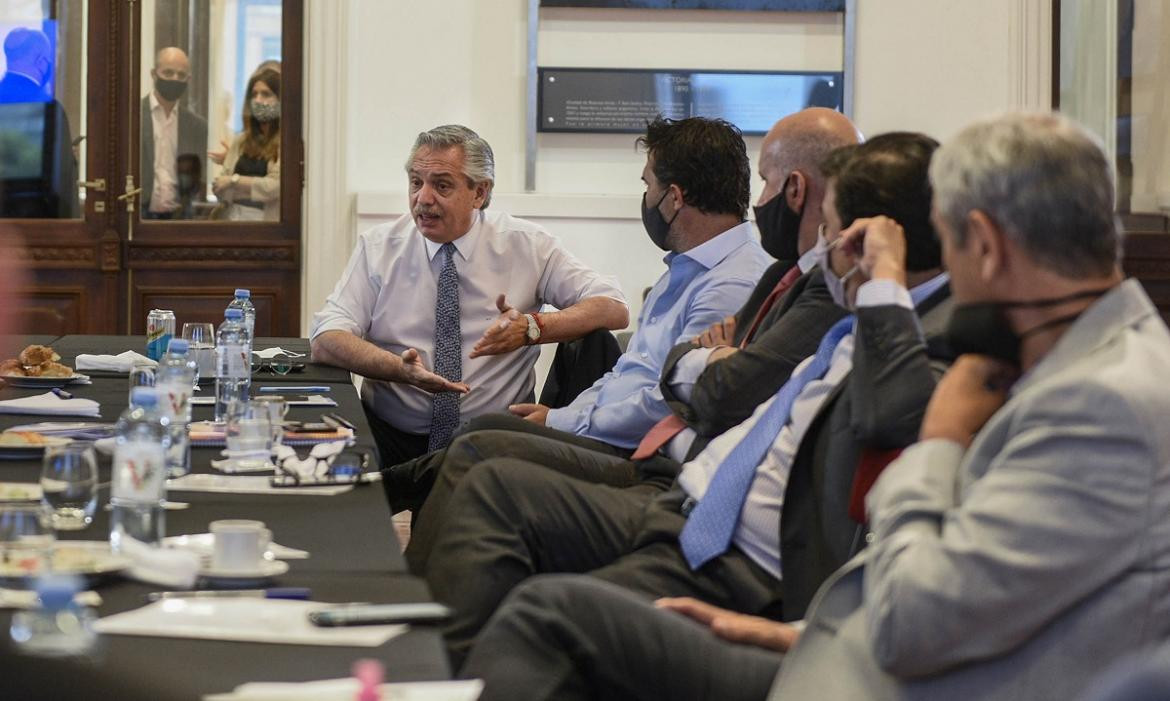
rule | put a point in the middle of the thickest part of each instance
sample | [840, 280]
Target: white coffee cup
[240, 544]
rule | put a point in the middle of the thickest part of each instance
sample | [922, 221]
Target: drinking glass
[201, 340]
[248, 434]
[277, 410]
[142, 375]
[69, 485]
[26, 543]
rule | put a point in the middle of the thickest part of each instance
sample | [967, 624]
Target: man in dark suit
[169, 130]
[509, 519]
[29, 57]
[783, 320]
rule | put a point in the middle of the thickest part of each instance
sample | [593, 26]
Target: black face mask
[656, 225]
[982, 328]
[170, 90]
[779, 227]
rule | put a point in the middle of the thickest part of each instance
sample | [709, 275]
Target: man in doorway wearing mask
[698, 183]
[723, 532]
[1019, 548]
[169, 130]
[788, 312]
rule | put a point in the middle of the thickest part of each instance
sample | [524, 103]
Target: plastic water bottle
[139, 472]
[243, 302]
[57, 627]
[233, 363]
[174, 381]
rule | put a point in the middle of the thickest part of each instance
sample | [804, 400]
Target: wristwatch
[535, 328]
[235, 178]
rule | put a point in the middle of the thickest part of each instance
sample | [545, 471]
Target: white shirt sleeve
[687, 370]
[883, 292]
[566, 280]
[351, 304]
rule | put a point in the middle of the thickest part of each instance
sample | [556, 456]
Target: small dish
[265, 569]
[41, 382]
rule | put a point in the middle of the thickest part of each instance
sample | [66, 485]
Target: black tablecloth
[355, 556]
[70, 346]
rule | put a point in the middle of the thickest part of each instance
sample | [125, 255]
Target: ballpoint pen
[300, 593]
[342, 420]
[62, 393]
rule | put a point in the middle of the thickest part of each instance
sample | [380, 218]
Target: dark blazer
[18, 88]
[729, 391]
[577, 365]
[192, 139]
[879, 406]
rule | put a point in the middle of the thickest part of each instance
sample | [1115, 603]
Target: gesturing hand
[967, 396]
[415, 373]
[721, 333]
[507, 333]
[536, 413]
[733, 626]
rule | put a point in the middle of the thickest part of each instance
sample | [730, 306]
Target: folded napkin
[49, 404]
[164, 567]
[348, 689]
[270, 353]
[122, 362]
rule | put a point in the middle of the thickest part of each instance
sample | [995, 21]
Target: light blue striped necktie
[710, 526]
[448, 352]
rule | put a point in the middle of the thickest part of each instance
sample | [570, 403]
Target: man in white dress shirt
[451, 270]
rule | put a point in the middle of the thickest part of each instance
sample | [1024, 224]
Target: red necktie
[869, 468]
[781, 287]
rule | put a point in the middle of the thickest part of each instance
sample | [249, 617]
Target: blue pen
[62, 393]
[297, 389]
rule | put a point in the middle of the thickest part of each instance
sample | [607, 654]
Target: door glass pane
[42, 108]
[211, 110]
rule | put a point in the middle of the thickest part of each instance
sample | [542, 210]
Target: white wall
[928, 65]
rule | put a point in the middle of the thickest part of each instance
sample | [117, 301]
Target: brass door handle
[130, 193]
[99, 184]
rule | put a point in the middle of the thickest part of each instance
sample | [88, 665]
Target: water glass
[201, 340]
[277, 410]
[26, 543]
[248, 434]
[69, 485]
[142, 375]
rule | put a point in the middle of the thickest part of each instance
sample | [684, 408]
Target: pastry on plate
[37, 355]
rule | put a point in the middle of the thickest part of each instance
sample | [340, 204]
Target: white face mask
[835, 284]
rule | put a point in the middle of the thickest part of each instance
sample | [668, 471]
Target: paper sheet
[246, 619]
[347, 689]
[248, 484]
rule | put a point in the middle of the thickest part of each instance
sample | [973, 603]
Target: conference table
[354, 557]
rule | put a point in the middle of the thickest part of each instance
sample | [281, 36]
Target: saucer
[266, 569]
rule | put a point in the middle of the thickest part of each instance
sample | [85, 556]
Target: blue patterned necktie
[448, 352]
[710, 526]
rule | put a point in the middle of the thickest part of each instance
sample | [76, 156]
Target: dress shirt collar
[809, 260]
[465, 244]
[922, 292]
[711, 252]
[156, 106]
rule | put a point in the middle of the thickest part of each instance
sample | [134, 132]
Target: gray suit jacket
[1022, 567]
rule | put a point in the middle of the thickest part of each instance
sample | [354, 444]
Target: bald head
[172, 57]
[790, 158]
[28, 52]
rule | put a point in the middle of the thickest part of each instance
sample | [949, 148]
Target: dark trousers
[575, 637]
[394, 446]
[501, 436]
[509, 519]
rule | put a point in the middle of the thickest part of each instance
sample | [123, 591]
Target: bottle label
[174, 400]
[139, 471]
[233, 361]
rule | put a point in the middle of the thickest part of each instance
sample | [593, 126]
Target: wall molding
[520, 204]
[1030, 63]
[329, 222]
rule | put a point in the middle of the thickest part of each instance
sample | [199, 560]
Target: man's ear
[796, 191]
[989, 242]
[677, 197]
[482, 190]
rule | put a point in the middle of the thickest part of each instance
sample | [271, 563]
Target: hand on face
[882, 243]
[507, 333]
[968, 395]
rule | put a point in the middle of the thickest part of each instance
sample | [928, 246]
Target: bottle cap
[233, 313]
[145, 397]
[57, 591]
[241, 292]
[179, 345]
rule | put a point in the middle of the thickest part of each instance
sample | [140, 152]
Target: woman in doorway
[250, 181]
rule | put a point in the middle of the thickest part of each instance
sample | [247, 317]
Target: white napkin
[270, 353]
[242, 618]
[165, 567]
[347, 689]
[49, 404]
[122, 362]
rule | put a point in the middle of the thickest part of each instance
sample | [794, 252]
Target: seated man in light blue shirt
[697, 178]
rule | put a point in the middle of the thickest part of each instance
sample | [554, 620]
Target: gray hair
[1040, 177]
[479, 164]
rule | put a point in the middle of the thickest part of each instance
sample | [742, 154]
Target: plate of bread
[37, 367]
[18, 445]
